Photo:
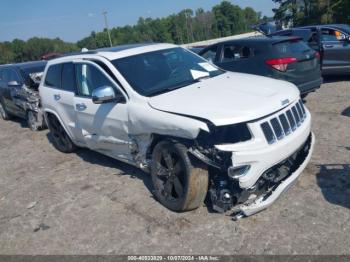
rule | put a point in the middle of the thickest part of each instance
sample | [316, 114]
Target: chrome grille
[279, 127]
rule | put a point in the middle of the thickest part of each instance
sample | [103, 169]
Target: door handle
[80, 107]
[329, 46]
[57, 97]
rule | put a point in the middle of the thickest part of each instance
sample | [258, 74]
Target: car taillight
[281, 64]
[318, 55]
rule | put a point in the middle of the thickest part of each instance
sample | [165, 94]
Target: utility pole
[106, 23]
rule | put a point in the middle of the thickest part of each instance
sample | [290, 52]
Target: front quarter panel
[143, 119]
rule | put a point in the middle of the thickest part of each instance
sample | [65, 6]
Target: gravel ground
[86, 203]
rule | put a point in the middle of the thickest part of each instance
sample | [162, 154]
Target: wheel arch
[48, 112]
[157, 138]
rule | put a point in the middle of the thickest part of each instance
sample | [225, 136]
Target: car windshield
[161, 71]
[32, 75]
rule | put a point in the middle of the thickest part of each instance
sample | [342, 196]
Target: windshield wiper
[172, 88]
[202, 78]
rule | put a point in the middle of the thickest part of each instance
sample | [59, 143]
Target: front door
[9, 75]
[336, 48]
[103, 127]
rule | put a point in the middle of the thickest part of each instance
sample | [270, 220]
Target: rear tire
[3, 112]
[178, 185]
[60, 138]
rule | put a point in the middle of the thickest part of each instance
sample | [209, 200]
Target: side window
[332, 35]
[211, 53]
[90, 78]
[13, 76]
[1, 76]
[68, 77]
[53, 76]
[236, 52]
[6, 75]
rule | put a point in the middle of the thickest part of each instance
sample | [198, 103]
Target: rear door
[237, 58]
[336, 58]
[59, 94]
[103, 127]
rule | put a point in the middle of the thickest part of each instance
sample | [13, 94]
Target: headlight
[230, 134]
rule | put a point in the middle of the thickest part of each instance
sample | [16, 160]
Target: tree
[183, 27]
[305, 12]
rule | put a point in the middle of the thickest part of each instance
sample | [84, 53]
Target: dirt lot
[86, 203]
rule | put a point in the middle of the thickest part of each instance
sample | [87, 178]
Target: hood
[229, 98]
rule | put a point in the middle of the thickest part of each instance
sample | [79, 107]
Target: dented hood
[229, 98]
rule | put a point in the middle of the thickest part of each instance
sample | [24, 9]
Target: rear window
[53, 76]
[293, 47]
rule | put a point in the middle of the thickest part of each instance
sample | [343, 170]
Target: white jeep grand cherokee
[239, 139]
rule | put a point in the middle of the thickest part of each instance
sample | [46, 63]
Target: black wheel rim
[170, 175]
[59, 134]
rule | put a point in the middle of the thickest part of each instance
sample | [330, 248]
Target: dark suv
[332, 41]
[19, 94]
[285, 58]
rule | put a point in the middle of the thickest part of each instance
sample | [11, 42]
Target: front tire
[32, 121]
[60, 138]
[178, 185]
[3, 112]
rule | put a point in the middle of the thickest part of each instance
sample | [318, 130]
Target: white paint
[116, 129]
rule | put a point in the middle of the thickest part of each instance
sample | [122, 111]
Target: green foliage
[306, 12]
[33, 49]
[184, 27]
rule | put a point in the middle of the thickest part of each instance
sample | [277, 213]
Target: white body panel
[115, 128]
[228, 99]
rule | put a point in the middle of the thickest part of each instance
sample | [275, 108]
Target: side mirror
[13, 84]
[106, 94]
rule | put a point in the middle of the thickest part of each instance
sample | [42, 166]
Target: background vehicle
[282, 58]
[190, 124]
[332, 41]
[197, 49]
[19, 92]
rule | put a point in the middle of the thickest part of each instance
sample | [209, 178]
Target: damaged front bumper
[26, 100]
[267, 199]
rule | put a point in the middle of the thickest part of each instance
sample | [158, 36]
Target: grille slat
[291, 120]
[269, 134]
[286, 127]
[277, 128]
[300, 112]
[302, 107]
[296, 116]
[286, 123]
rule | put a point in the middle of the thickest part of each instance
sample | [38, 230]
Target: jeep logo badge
[285, 102]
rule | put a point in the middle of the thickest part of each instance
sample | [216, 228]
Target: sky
[72, 20]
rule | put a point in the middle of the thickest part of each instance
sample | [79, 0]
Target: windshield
[32, 75]
[165, 70]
